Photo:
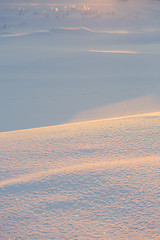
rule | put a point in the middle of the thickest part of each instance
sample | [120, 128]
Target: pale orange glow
[24, 33]
[56, 10]
[85, 9]
[132, 107]
[68, 28]
[73, 6]
[73, 28]
[117, 118]
[79, 167]
[113, 51]
[95, 31]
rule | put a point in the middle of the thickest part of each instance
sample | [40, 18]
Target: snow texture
[90, 70]
[88, 180]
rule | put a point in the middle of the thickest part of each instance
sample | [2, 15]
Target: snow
[89, 180]
[80, 119]
[51, 70]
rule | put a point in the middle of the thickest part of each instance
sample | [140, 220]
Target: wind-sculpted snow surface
[87, 180]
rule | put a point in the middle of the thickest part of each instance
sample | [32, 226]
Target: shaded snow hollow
[88, 180]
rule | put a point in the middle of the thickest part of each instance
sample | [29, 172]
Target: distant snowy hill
[59, 60]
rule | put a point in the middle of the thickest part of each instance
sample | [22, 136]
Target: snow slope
[72, 61]
[60, 58]
[87, 180]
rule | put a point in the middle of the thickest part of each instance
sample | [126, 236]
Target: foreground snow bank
[88, 180]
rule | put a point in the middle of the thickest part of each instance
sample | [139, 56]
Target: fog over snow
[79, 119]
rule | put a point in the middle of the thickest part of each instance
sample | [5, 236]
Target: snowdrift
[87, 180]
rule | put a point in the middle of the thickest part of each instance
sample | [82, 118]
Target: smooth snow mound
[88, 180]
